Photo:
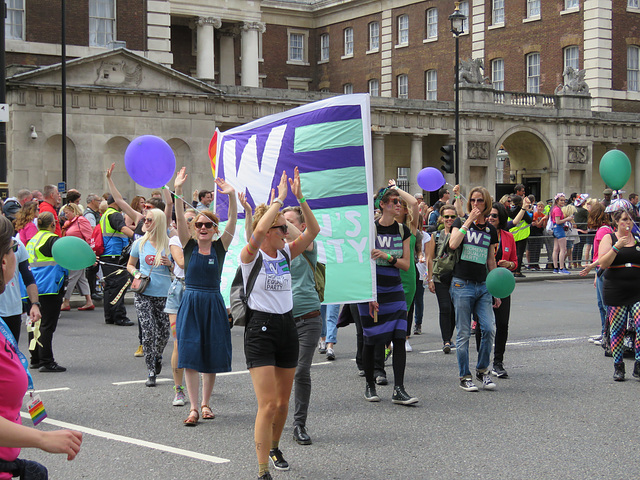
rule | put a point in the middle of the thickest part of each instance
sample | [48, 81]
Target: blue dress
[204, 338]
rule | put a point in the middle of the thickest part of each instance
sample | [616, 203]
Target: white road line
[514, 344]
[61, 389]
[132, 441]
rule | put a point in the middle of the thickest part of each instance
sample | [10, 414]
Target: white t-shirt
[175, 241]
[272, 290]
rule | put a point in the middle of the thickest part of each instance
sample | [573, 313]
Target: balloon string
[184, 201]
[461, 195]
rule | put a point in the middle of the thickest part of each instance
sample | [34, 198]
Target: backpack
[238, 298]
[445, 258]
[96, 241]
[319, 275]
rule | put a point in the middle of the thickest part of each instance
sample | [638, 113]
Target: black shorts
[271, 339]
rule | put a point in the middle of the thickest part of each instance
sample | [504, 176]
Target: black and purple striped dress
[392, 314]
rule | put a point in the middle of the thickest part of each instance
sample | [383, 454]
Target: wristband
[177, 196]
[615, 249]
[463, 230]
[389, 257]
[277, 200]
[36, 303]
[393, 261]
[301, 200]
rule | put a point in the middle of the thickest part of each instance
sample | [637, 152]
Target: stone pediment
[118, 69]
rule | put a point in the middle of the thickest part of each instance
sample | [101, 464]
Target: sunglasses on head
[283, 228]
[206, 225]
[492, 215]
[446, 217]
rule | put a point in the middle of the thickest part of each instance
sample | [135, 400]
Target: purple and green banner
[330, 143]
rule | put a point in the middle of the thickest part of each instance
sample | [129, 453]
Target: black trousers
[378, 357]
[50, 310]
[91, 274]
[447, 312]
[521, 247]
[113, 283]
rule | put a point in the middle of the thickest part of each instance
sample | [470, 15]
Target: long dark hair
[503, 216]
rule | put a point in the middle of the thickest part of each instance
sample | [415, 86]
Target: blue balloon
[430, 179]
[150, 161]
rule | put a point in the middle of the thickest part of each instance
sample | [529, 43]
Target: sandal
[192, 419]
[207, 414]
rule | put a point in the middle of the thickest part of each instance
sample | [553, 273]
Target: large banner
[330, 142]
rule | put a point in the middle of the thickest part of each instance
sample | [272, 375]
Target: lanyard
[9, 336]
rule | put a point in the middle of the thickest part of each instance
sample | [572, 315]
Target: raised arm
[117, 196]
[168, 204]
[457, 235]
[232, 215]
[183, 228]
[248, 215]
[305, 239]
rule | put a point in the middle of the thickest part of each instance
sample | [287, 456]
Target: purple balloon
[430, 179]
[149, 161]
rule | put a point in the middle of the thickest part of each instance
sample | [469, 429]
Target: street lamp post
[457, 19]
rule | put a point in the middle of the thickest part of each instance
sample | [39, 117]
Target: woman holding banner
[202, 325]
[271, 339]
[385, 320]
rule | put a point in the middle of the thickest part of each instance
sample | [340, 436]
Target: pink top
[27, 232]
[600, 234]
[555, 213]
[13, 386]
[79, 227]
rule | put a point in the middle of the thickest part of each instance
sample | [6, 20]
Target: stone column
[636, 170]
[227, 58]
[250, 51]
[378, 161]
[416, 164]
[205, 69]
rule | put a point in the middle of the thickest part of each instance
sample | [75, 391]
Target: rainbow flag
[36, 410]
[213, 152]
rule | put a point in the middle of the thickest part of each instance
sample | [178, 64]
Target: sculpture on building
[470, 72]
[119, 73]
[573, 82]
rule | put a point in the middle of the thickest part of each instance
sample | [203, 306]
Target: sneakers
[331, 355]
[467, 385]
[618, 371]
[387, 353]
[361, 373]
[487, 382]
[277, 460]
[151, 379]
[52, 367]
[180, 399]
[407, 346]
[555, 270]
[565, 271]
[322, 346]
[446, 348]
[370, 394]
[498, 370]
[596, 338]
[265, 476]
[417, 330]
[381, 380]
[139, 352]
[401, 397]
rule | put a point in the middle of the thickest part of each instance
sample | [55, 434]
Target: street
[559, 414]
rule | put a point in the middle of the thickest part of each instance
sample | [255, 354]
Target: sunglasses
[147, 206]
[477, 200]
[206, 225]
[492, 215]
[395, 201]
[446, 217]
[148, 220]
[14, 246]
[283, 228]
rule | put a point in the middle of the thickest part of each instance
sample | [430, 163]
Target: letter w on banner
[330, 142]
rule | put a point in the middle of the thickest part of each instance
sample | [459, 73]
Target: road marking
[61, 389]
[132, 441]
[515, 344]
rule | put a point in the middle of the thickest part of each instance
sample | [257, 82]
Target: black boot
[618, 372]
[636, 369]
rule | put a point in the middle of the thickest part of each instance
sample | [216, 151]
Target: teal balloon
[615, 169]
[73, 253]
[500, 282]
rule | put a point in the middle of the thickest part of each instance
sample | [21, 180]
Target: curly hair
[258, 214]
[25, 215]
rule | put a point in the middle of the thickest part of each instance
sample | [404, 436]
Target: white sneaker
[331, 354]
[487, 382]
[596, 338]
[180, 398]
[322, 346]
[407, 346]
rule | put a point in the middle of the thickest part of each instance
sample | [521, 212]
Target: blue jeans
[602, 308]
[331, 318]
[468, 298]
[323, 314]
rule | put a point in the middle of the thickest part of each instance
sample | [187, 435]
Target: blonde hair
[206, 213]
[157, 234]
[258, 214]
[569, 210]
[76, 209]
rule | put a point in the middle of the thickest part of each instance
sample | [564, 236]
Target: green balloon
[73, 253]
[615, 169]
[500, 282]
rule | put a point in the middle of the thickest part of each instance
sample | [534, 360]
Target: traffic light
[447, 158]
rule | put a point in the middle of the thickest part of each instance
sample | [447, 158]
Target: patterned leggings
[617, 317]
[154, 324]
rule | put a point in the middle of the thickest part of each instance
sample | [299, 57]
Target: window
[574, 4]
[464, 9]
[497, 73]
[298, 41]
[102, 20]
[348, 42]
[431, 81]
[14, 23]
[403, 86]
[533, 73]
[324, 47]
[533, 8]
[497, 12]
[633, 3]
[347, 88]
[403, 30]
[432, 23]
[572, 57]
[633, 62]
[374, 36]
[374, 87]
